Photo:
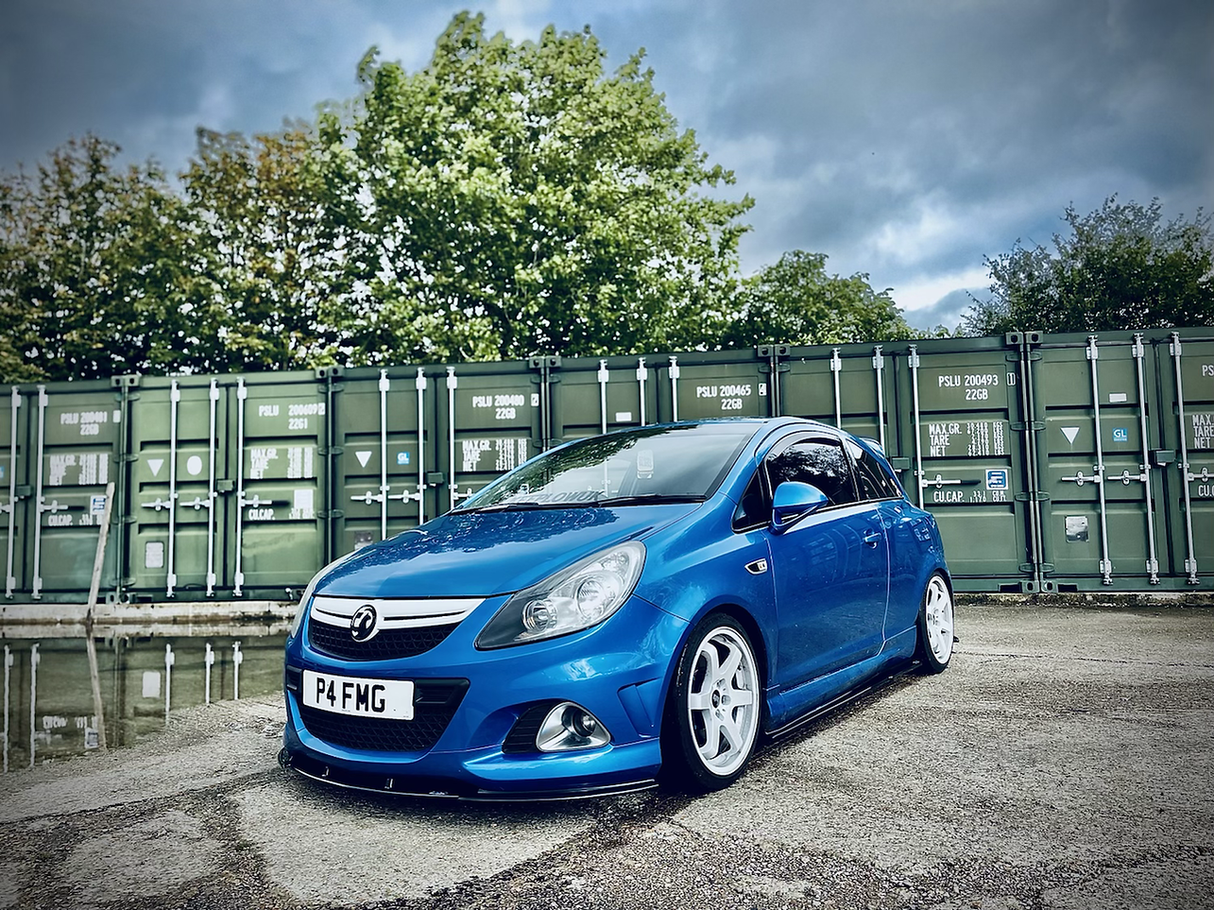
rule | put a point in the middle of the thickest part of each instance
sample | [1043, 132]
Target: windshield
[655, 464]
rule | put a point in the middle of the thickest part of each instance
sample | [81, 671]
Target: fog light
[568, 726]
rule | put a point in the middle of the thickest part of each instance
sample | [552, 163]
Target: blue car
[638, 607]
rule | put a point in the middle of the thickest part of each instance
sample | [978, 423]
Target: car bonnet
[479, 554]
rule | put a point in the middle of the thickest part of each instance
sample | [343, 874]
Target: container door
[596, 396]
[490, 422]
[385, 442]
[1099, 524]
[278, 536]
[14, 488]
[177, 517]
[694, 387]
[1188, 371]
[957, 409]
[848, 387]
[77, 438]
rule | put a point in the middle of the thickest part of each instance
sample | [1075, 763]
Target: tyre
[713, 709]
[935, 626]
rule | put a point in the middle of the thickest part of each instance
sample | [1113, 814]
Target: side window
[755, 507]
[874, 481]
[817, 461]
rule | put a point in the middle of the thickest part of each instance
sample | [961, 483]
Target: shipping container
[1065, 462]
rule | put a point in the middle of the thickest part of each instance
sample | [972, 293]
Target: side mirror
[792, 501]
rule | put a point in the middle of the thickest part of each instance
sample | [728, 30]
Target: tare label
[1202, 426]
[964, 438]
[496, 455]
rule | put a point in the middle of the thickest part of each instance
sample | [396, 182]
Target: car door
[831, 568]
[903, 534]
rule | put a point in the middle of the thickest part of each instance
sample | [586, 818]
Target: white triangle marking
[1070, 433]
[155, 464]
[363, 457]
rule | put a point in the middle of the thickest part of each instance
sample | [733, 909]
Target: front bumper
[617, 670]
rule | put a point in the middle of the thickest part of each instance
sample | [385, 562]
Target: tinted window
[871, 475]
[817, 461]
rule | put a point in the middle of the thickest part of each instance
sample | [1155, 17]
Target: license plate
[391, 698]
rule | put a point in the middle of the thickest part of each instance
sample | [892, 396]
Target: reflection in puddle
[48, 701]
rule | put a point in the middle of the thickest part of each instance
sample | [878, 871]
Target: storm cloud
[907, 140]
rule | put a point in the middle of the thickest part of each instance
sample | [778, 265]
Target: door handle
[872, 538]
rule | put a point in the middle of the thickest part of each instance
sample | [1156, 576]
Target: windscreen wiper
[641, 499]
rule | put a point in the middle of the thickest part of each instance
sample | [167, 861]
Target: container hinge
[331, 513]
[1026, 568]
[1047, 568]
[128, 457]
[1013, 357]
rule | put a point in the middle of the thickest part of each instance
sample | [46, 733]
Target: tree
[796, 302]
[90, 270]
[512, 198]
[1121, 267]
[267, 271]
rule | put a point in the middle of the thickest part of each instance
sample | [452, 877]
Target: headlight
[571, 600]
[302, 609]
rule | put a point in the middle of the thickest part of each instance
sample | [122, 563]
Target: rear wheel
[935, 626]
[712, 713]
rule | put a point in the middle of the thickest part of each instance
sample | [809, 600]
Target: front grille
[389, 644]
[435, 702]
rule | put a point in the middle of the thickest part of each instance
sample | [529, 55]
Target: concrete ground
[1063, 761]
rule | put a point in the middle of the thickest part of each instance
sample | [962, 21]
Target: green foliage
[1120, 268]
[90, 269]
[265, 267]
[505, 200]
[509, 199]
[796, 302]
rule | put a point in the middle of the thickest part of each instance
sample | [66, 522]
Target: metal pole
[1106, 565]
[879, 369]
[420, 383]
[603, 376]
[169, 659]
[10, 579]
[452, 385]
[1152, 559]
[384, 385]
[642, 372]
[1186, 477]
[674, 387]
[212, 493]
[242, 394]
[836, 367]
[913, 361]
[35, 659]
[237, 660]
[90, 646]
[174, 398]
[36, 591]
[8, 669]
[208, 661]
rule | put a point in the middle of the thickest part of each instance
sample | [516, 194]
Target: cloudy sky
[906, 139]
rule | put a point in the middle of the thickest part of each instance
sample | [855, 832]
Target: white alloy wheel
[722, 701]
[937, 621]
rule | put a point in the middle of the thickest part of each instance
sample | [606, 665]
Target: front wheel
[713, 710]
[935, 626]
